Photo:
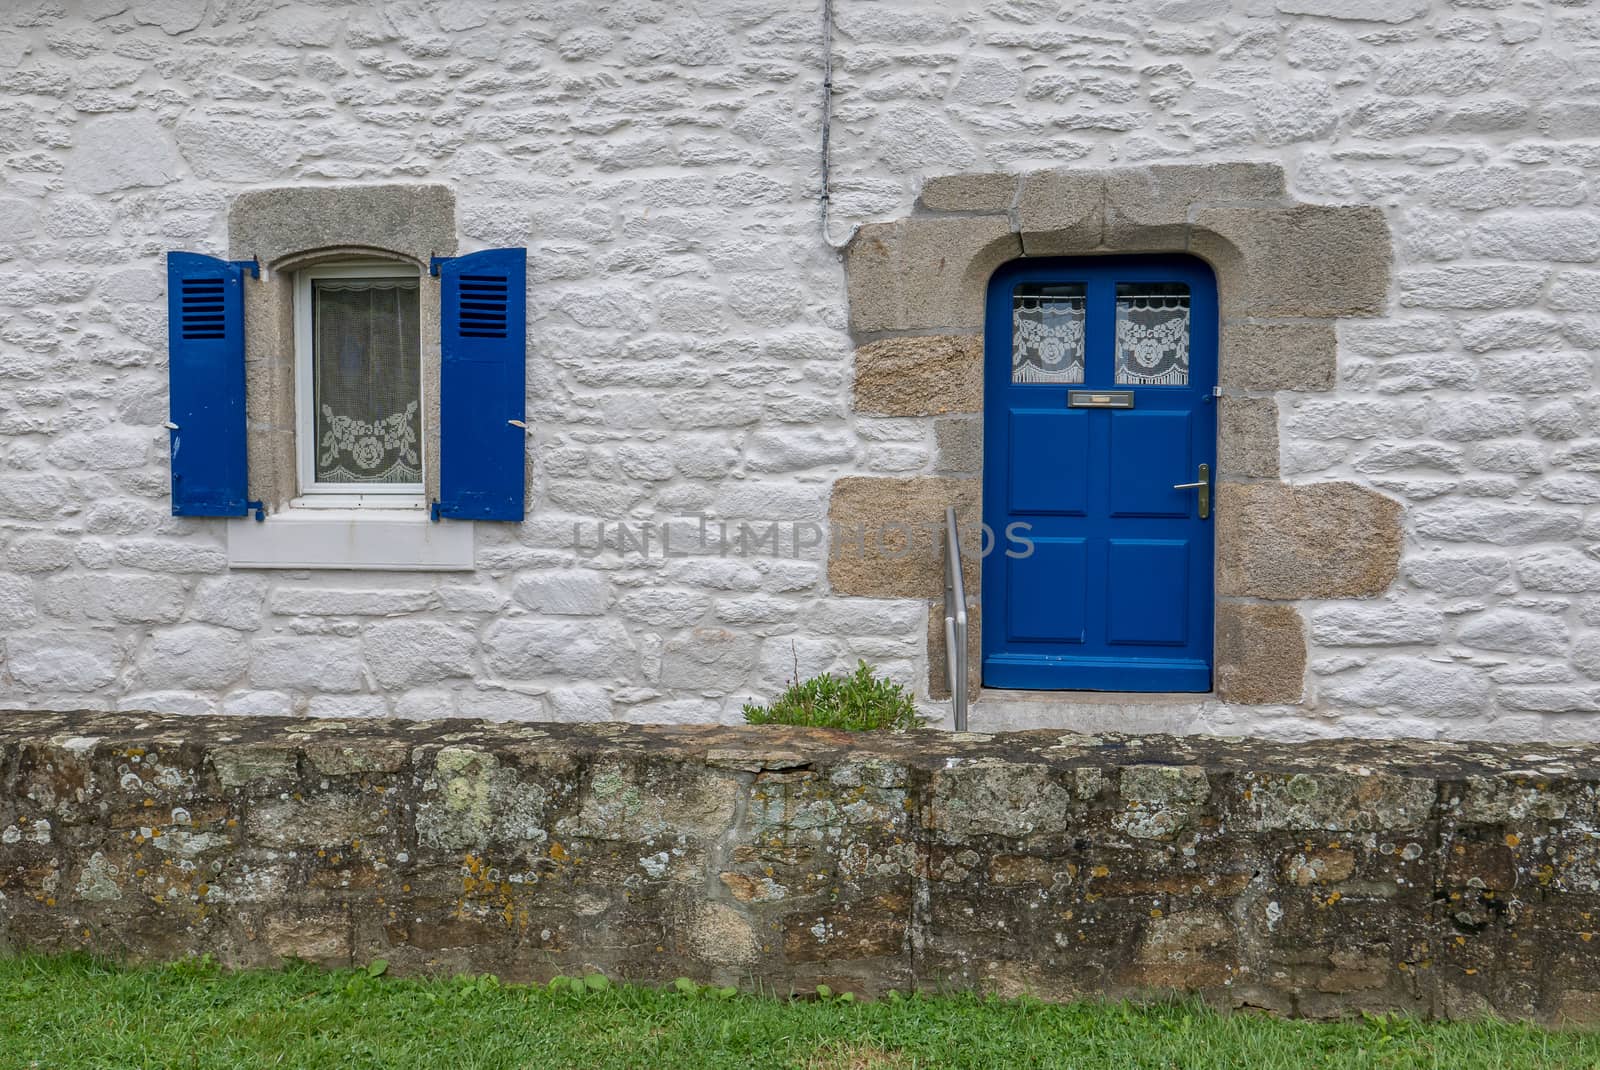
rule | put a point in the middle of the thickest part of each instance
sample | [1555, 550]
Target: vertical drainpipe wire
[824, 200]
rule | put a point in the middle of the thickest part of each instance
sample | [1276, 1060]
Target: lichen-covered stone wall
[1315, 879]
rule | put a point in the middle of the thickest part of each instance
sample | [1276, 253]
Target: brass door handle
[1203, 485]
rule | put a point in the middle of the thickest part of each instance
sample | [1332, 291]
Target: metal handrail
[955, 620]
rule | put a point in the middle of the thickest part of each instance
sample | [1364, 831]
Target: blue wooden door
[1098, 410]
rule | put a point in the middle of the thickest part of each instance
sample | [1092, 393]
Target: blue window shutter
[482, 439]
[205, 383]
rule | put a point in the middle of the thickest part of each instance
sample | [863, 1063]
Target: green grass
[81, 1013]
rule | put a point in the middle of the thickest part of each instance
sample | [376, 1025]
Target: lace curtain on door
[368, 381]
[1047, 333]
[1153, 334]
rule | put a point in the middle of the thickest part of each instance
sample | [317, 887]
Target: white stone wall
[687, 352]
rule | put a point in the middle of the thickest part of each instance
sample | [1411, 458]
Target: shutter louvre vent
[202, 308]
[483, 306]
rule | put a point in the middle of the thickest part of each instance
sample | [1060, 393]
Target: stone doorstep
[1308, 878]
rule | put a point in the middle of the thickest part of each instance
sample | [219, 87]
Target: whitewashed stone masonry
[688, 352]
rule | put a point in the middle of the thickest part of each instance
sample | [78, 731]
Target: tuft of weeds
[860, 702]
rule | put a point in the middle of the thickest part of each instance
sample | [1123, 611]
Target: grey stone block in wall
[417, 221]
[1305, 260]
[925, 273]
[1322, 540]
[1148, 208]
[920, 375]
[959, 443]
[1261, 653]
[1061, 212]
[989, 191]
[1248, 438]
[1278, 356]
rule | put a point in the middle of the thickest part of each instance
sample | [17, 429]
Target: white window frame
[315, 495]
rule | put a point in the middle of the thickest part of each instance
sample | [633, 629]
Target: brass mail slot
[1099, 399]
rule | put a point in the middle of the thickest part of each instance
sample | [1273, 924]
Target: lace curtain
[1047, 334]
[1153, 335]
[368, 381]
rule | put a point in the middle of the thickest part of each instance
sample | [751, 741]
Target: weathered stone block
[63, 660]
[983, 192]
[959, 444]
[994, 799]
[1278, 356]
[1148, 208]
[1378, 624]
[887, 534]
[117, 152]
[194, 655]
[597, 649]
[307, 663]
[1410, 684]
[1306, 260]
[417, 221]
[920, 375]
[925, 274]
[1061, 212]
[708, 660]
[570, 593]
[1247, 436]
[405, 653]
[1321, 540]
[1261, 653]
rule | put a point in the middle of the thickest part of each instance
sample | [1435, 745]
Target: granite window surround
[292, 228]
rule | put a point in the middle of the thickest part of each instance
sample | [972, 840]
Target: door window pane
[1153, 333]
[368, 380]
[1047, 333]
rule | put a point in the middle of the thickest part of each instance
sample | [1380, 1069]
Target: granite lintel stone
[416, 221]
[1147, 209]
[1060, 213]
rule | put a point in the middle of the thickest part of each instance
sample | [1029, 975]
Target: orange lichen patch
[1512, 839]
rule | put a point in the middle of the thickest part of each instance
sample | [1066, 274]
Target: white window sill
[400, 503]
[392, 539]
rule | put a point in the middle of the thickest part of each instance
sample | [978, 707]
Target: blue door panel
[1116, 594]
[1040, 606]
[1147, 600]
[1149, 456]
[1054, 480]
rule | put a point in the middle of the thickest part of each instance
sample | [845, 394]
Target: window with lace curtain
[358, 376]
